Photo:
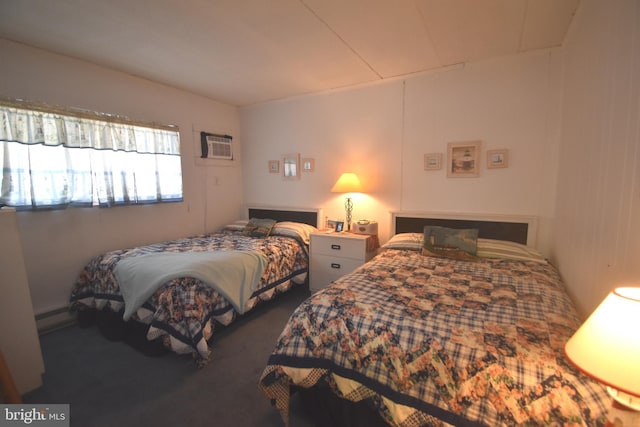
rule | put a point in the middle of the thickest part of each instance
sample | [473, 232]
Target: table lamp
[607, 346]
[348, 183]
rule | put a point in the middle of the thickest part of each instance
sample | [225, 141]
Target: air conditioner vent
[215, 146]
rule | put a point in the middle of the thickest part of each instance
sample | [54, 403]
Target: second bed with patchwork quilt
[427, 340]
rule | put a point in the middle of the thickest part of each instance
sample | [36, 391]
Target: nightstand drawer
[327, 269]
[339, 247]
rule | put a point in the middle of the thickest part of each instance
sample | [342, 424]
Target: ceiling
[249, 51]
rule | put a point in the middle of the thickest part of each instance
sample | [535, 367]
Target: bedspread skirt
[431, 341]
[183, 312]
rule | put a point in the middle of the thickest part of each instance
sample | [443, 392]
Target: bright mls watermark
[35, 415]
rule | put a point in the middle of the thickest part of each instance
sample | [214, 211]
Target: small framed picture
[497, 159]
[339, 226]
[433, 161]
[291, 166]
[463, 159]
[274, 166]
[308, 164]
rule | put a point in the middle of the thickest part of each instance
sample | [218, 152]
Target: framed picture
[274, 166]
[335, 225]
[463, 159]
[433, 161]
[291, 166]
[497, 159]
[308, 164]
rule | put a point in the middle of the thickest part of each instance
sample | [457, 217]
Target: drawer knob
[335, 265]
[336, 247]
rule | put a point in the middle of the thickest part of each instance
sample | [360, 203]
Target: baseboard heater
[54, 319]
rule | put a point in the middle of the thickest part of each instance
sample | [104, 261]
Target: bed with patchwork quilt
[180, 291]
[419, 339]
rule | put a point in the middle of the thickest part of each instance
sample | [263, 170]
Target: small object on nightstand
[365, 226]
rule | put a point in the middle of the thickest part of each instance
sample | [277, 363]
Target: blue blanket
[234, 274]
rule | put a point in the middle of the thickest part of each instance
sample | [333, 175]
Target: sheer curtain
[53, 158]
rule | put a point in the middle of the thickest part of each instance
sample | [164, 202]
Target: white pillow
[489, 248]
[238, 225]
[411, 241]
[294, 229]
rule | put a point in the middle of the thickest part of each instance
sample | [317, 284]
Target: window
[53, 158]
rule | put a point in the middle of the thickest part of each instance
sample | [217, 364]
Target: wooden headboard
[520, 229]
[306, 216]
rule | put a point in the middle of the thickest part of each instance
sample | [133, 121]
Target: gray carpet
[109, 383]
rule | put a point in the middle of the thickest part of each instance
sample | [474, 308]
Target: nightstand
[336, 254]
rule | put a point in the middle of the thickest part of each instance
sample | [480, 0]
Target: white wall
[382, 132]
[597, 243]
[356, 130]
[506, 103]
[57, 244]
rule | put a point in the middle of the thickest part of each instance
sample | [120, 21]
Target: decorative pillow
[258, 227]
[489, 248]
[450, 242]
[238, 225]
[294, 229]
[412, 241]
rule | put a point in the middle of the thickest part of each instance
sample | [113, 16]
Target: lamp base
[348, 209]
[625, 399]
[621, 413]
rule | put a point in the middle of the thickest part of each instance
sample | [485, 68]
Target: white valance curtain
[28, 126]
[55, 158]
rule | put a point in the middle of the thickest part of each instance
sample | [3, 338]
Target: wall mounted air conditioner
[215, 146]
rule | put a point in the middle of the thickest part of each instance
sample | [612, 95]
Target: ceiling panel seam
[326, 24]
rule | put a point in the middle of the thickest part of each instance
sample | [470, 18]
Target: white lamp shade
[347, 183]
[607, 345]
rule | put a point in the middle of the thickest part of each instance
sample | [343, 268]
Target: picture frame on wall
[497, 159]
[308, 164]
[432, 161]
[291, 166]
[274, 166]
[463, 159]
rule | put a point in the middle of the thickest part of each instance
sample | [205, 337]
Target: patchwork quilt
[435, 341]
[183, 311]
